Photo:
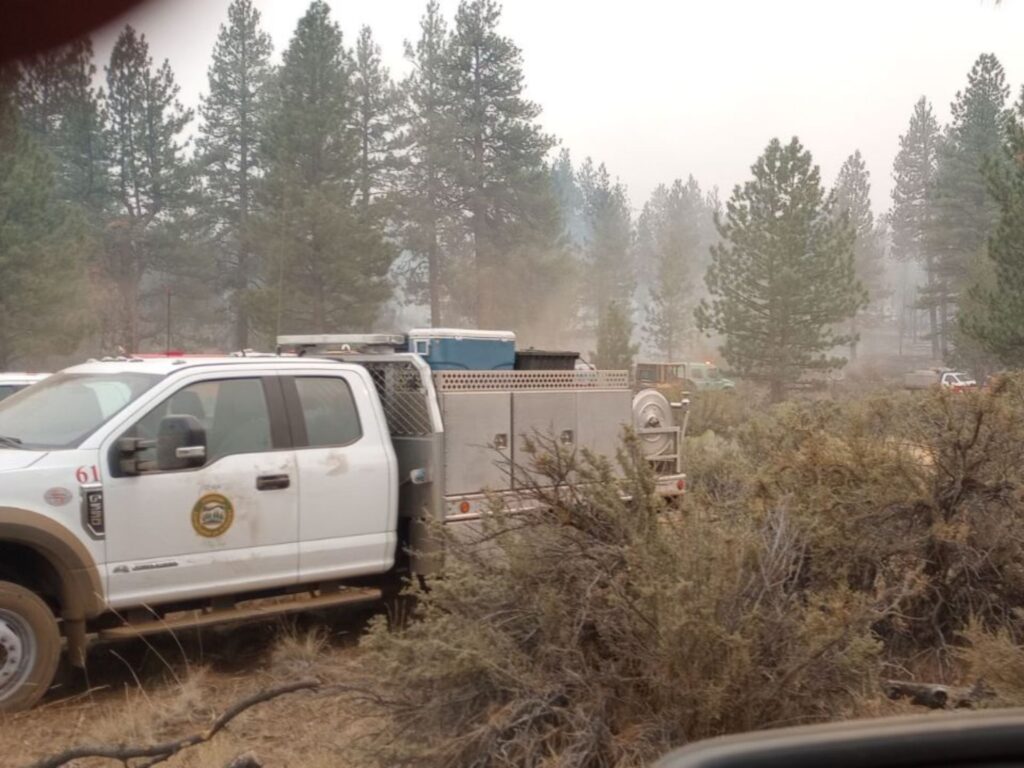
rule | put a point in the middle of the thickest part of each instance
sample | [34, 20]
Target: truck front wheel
[29, 647]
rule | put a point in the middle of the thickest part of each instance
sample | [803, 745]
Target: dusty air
[457, 384]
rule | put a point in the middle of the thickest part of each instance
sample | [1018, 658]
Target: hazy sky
[660, 90]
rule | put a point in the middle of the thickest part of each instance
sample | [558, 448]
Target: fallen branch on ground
[165, 750]
[935, 695]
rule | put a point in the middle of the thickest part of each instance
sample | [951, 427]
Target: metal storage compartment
[579, 408]
[544, 414]
[545, 360]
[455, 349]
[475, 423]
[601, 416]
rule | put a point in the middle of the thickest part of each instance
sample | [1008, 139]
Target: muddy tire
[29, 647]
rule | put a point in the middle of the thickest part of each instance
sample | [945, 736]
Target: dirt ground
[166, 687]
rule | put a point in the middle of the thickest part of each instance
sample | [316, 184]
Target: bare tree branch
[165, 750]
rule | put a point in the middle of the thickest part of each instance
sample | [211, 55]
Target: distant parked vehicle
[818, 380]
[672, 379]
[954, 381]
[14, 382]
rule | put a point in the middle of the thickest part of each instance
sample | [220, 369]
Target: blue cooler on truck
[457, 349]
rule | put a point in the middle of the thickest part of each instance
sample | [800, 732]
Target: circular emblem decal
[57, 497]
[212, 515]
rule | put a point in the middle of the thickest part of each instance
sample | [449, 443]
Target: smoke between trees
[323, 194]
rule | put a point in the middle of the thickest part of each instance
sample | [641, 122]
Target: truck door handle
[272, 482]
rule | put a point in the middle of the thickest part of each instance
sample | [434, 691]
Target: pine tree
[376, 114]
[615, 350]
[41, 273]
[783, 276]
[669, 244]
[993, 312]
[565, 185]
[607, 241]
[228, 153]
[62, 109]
[425, 211]
[965, 213]
[500, 182]
[326, 270]
[912, 206]
[151, 188]
[852, 193]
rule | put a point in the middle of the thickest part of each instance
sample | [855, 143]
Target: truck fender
[81, 589]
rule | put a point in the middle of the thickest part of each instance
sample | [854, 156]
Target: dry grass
[154, 702]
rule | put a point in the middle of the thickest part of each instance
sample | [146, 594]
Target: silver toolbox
[579, 409]
[477, 434]
[601, 416]
[547, 415]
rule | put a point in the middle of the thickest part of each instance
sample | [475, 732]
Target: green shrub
[608, 629]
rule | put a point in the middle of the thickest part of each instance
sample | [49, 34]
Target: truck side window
[232, 411]
[329, 411]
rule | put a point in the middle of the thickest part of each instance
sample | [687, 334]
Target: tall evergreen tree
[500, 181]
[965, 213]
[993, 314]
[615, 349]
[150, 184]
[853, 199]
[40, 237]
[912, 206]
[783, 276]
[60, 106]
[669, 243]
[326, 270]
[425, 210]
[607, 246]
[228, 152]
[376, 115]
[567, 192]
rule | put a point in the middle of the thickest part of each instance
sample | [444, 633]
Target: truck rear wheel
[29, 647]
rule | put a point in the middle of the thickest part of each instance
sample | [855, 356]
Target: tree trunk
[433, 264]
[933, 324]
[944, 324]
[485, 313]
[241, 321]
[484, 293]
[853, 342]
[242, 267]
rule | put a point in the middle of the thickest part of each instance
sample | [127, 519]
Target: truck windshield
[66, 408]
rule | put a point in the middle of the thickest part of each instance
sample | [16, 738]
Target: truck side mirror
[180, 443]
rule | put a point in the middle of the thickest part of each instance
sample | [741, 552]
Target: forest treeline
[322, 194]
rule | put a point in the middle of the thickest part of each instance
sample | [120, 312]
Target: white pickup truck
[944, 378]
[15, 382]
[140, 496]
